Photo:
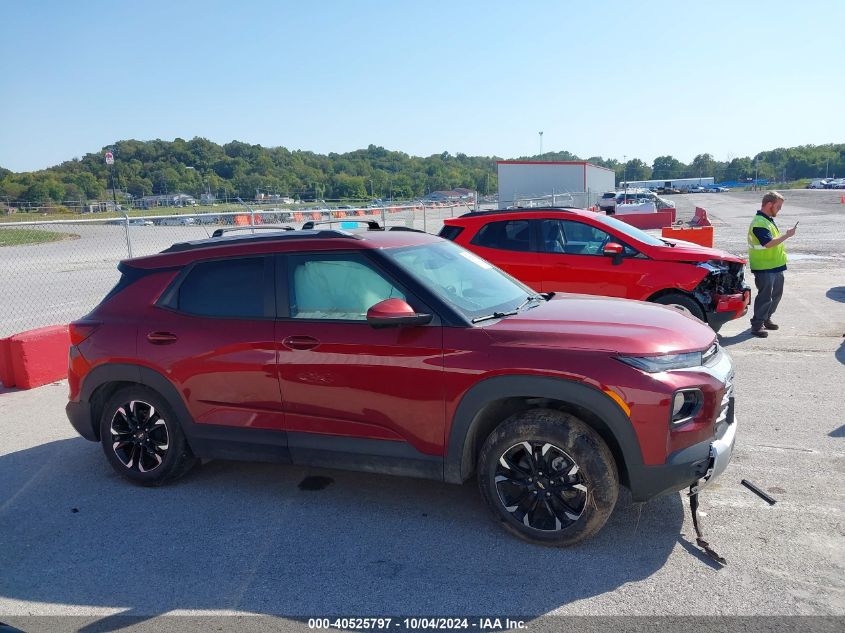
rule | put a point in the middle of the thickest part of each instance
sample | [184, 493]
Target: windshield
[473, 285]
[630, 231]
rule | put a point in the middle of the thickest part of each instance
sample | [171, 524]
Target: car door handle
[300, 342]
[161, 338]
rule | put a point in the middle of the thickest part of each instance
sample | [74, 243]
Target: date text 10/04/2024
[421, 623]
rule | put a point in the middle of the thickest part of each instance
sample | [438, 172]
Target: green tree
[667, 167]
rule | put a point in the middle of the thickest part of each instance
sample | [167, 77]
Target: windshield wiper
[668, 243]
[495, 315]
[529, 300]
[501, 315]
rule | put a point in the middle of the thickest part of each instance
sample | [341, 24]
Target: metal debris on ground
[758, 492]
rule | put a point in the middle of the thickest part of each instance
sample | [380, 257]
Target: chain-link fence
[546, 199]
[55, 272]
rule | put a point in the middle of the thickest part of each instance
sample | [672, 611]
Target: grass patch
[18, 237]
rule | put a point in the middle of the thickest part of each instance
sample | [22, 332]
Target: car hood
[687, 251]
[591, 323]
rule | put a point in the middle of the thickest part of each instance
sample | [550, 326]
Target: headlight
[654, 364]
[714, 266]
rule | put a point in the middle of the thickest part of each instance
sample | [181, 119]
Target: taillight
[81, 330]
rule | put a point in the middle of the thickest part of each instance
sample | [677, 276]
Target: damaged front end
[723, 291]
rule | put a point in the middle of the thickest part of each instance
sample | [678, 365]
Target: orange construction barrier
[359, 212]
[242, 220]
[701, 235]
[315, 215]
[341, 214]
[298, 217]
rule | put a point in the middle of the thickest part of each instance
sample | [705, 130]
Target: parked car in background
[177, 221]
[572, 250]
[818, 183]
[607, 202]
[695, 189]
[716, 189]
[837, 183]
[402, 353]
[640, 196]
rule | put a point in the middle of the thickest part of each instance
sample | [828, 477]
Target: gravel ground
[236, 538]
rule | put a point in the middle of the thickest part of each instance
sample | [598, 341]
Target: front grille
[726, 408]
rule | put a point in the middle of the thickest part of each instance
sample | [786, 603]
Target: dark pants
[769, 292]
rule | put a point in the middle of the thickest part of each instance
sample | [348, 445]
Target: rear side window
[232, 288]
[510, 235]
[450, 232]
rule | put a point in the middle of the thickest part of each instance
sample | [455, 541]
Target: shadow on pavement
[727, 341]
[837, 293]
[244, 537]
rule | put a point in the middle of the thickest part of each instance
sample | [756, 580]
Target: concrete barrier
[38, 357]
[7, 372]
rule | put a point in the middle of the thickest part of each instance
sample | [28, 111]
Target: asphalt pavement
[237, 539]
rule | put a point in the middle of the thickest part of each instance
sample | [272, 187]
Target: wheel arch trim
[611, 421]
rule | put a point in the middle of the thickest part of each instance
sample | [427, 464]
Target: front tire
[548, 477]
[142, 438]
[683, 303]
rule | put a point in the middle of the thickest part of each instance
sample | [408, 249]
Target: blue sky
[638, 79]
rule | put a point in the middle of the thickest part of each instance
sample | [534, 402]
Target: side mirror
[395, 312]
[614, 250]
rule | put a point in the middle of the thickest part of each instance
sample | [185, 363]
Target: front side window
[509, 235]
[228, 288]
[335, 287]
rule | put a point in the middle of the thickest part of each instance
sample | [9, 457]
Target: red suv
[571, 250]
[399, 352]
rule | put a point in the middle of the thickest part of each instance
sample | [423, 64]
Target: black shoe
[770, 325]
[759, 331]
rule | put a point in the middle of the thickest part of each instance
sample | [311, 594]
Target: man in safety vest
[767, 258]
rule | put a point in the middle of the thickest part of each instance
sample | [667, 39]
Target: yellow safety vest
[760, 257]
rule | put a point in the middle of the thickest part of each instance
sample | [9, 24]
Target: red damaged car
[573, 250]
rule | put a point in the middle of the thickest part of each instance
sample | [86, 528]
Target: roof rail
[405, 228]
[372, 225]
[253, 237]
[263, 227]
[472, 214]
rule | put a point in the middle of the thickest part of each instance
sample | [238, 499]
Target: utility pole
[625, 174]
[110, 162]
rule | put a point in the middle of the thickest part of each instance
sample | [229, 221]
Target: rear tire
[548, 477]
[682, 303]
[142, 438]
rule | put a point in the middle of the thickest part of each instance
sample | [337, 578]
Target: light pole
[625, 174]
[541, 143]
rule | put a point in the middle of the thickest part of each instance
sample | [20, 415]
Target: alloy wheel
[541, 486]
[139, 436]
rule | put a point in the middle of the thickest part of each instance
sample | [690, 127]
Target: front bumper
[729, 307]
[721, 451]
[698, 466]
